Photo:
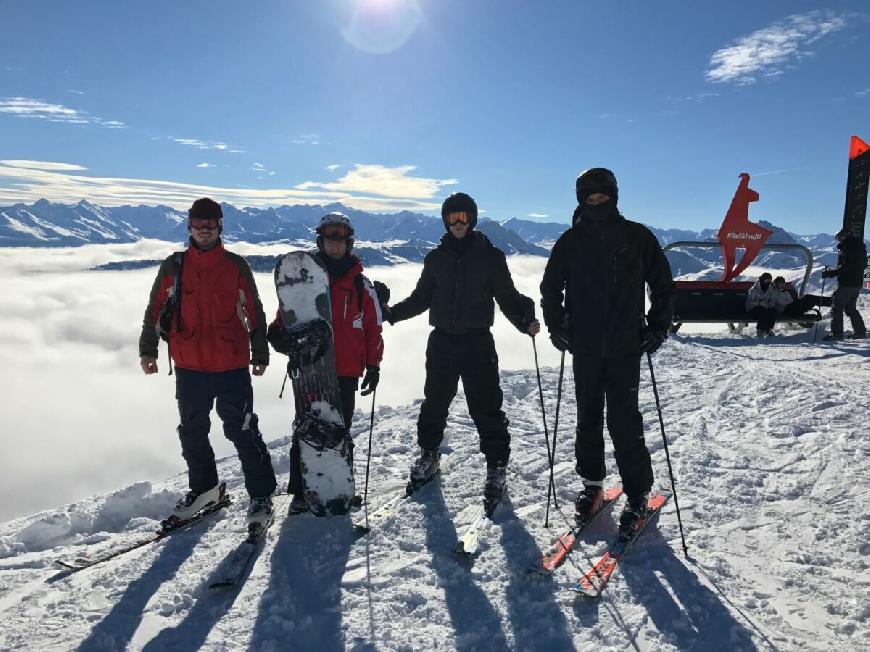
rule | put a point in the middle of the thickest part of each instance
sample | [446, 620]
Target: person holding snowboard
[592, 297]
[460, 279]
[356, 329]
[204, 302]
[849, 273]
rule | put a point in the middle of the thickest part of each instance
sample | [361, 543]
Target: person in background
[849, 273]
[760, 305]
[787, 302]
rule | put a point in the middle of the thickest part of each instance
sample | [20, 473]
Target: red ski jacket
[222, 318]
[356, 323]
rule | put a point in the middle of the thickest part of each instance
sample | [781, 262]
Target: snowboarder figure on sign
[461, 277]
[592, 296]
[849, 273]
[204, 302]
[356, 328]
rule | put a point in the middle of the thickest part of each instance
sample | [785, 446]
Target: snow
[297, 289]
[769, 446]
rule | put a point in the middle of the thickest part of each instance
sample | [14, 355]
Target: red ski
[556, 553]
[593, 583]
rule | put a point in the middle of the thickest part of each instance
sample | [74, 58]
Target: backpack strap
[358, 284]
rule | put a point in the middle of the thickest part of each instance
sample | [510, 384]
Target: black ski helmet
[335, 219]
[206, 209]
[596, 180]
[459, 202]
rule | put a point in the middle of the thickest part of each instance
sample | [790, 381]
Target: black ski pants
[470, 356]
[846, 300]
[615, 378]
[197, 392]
[347, 386]
[765, 317]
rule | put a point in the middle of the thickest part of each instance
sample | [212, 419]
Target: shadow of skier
[301, 607]
[686, 613]
[538, 622]
[476, 623]
[116, 630]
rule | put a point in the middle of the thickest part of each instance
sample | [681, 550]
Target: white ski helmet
[335, 219]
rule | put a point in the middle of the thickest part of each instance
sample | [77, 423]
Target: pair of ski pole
[551, 449]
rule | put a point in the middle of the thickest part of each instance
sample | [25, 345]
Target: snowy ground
[769, 444]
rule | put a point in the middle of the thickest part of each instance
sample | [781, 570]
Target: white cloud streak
[306, 139]
[538, 215]
[200, 144]
[384, 181]
[391, 189]
[769, 51]
[27, 107]
[206, 165]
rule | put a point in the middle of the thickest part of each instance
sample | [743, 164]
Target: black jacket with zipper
[458, 285]
[594, 282]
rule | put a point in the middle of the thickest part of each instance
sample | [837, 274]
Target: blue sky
[392, 104]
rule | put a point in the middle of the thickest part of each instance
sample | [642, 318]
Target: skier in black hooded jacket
[592, 297]
[460, 279]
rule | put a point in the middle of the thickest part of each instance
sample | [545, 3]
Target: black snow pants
[617, 379]
[347, 386]
[197, 392]
[470, 356]
[765, 317]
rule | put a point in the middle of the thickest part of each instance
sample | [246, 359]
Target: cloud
[74, 91]
[206, 165]
[699, 97]
[27, 181]
[306, 139]
[334, 167]
[863, 93]
[200, 144]
[769, 51]
[258, 167]
[539, 215]
[26, 107]
[383, 181]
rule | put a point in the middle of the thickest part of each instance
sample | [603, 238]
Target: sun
[382, 26]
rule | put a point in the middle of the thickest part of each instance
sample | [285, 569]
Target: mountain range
[382, 238]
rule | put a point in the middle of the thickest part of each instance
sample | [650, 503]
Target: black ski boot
[493, 490]
[587, 503]
[833, 337]
[633, 514]
[426, 467]
[298, 505]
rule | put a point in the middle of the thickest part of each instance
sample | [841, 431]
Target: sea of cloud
[80, 417]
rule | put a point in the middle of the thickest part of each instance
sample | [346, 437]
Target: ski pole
[546, 432]
[552, 486]
[369, 454]
[816, 329]
[667, 454]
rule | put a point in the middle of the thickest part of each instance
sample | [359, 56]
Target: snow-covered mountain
[764, 455]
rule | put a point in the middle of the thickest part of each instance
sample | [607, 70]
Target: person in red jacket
[204, 302]
[356, 329]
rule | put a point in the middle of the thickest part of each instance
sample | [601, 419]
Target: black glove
[651, 340]
[383, 293]
[561, 339]
[829, 273]
[278, 338]
[370, 380]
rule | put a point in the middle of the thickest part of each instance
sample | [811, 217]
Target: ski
[363, 525]
[593, 583]
[469, 540]
[169, 528]
[236, 565]
[561, 547]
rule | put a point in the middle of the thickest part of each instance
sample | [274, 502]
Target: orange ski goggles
[457, 218]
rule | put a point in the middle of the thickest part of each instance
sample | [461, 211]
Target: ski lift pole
[667, 454]
[546, 433]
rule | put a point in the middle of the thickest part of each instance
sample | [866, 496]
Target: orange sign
[737, 232]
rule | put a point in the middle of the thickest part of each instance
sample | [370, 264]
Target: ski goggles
[335, 232]
[460, 217]
[203, 223]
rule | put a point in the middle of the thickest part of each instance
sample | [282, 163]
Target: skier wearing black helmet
[356, 330]
[460, 279]
[592, 297]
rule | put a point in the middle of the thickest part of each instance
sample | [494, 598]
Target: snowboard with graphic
[302, 284]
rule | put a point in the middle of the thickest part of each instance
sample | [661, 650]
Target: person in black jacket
[850, 275]
[592, 297]
[460, 279]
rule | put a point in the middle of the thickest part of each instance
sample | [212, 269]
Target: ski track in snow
[769, 445]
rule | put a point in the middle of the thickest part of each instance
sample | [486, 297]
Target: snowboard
[302, 284]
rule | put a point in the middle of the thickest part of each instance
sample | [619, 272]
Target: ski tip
[585, 592]
[857, 147]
